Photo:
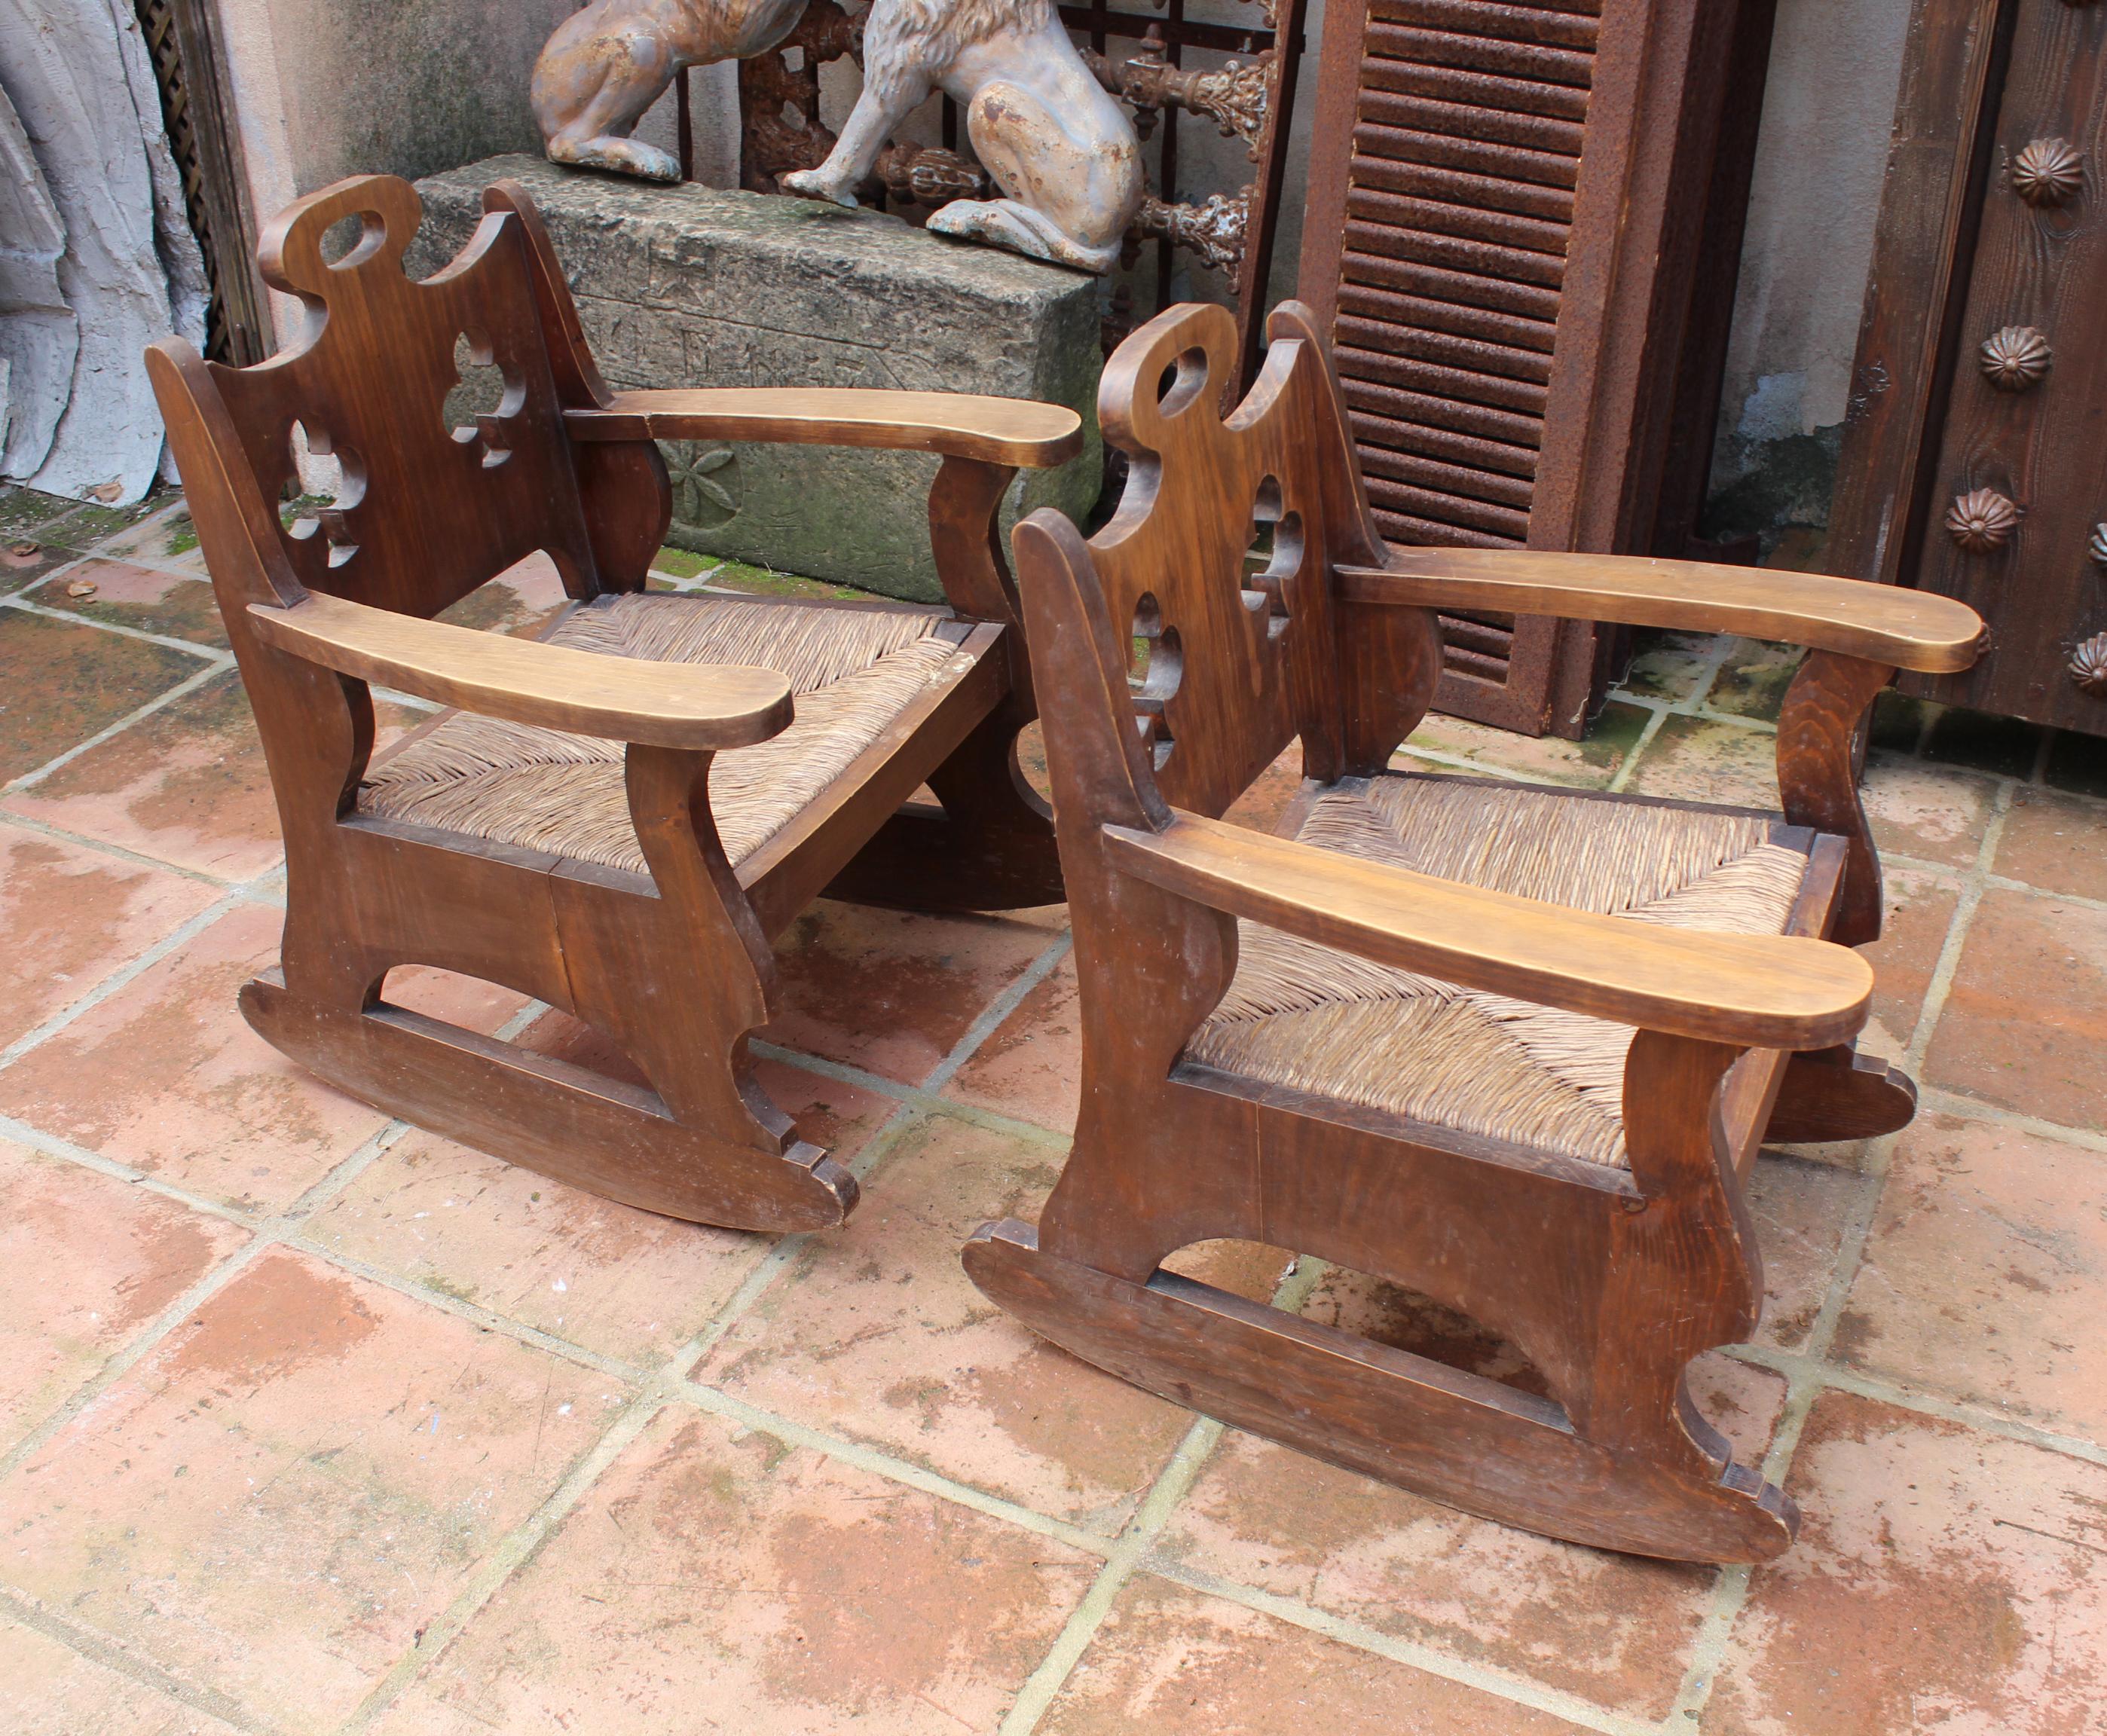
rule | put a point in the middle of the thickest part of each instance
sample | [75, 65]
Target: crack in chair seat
[851, 670]
[1305, 1017]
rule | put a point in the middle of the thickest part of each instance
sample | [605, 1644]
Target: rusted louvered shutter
[1505, 230]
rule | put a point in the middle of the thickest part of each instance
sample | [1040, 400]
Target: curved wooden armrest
[1758, 991]
[1881, 623]
[553, 687]
[996, 431]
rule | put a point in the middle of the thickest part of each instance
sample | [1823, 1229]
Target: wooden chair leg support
[677, 979]
[990, 846]
[1610, 1292]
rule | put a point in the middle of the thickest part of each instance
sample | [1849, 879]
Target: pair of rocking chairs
[1513, 1048]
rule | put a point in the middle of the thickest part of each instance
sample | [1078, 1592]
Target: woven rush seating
[852, 670]
[1302, 1015]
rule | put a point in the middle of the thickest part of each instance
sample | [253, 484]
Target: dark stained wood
[1513, 212]
[1608, 1280]
[674, 965]
[1978, 260]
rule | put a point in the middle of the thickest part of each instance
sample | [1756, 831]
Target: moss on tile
[764, 582]
[1753, 678]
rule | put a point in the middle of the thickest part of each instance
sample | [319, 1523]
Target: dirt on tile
[1944, 1580]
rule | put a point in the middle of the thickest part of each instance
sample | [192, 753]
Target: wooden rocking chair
[1512, 1048]
[622, 814]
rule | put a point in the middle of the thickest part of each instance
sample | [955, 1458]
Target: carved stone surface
[2048, 172]
[2089, 667]
[688, 286]
[1982, 521]
[2016, 357]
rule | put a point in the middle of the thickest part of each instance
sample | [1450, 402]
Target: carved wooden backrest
[426, 511]
[1236, 658]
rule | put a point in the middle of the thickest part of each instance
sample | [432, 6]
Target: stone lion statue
[602, 67]
[1062, 152]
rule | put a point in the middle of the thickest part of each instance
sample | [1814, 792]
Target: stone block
[693, 287]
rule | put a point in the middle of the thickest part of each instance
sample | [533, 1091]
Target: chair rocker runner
[617, 817]
[1511, 1048]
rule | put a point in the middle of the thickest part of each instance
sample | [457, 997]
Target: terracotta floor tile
[1925, 810]
[151, 598]
[716, 1579]
[878, 1334]
[1697, 759]
[627, 1284]
[1667, 666]
[1800, 1206]
[1593, 762]
[2025, 1022]
[60, 683]
[1031, 1064]
[1261, 806]
[1920, 910]
[70, 916]
[523, 596]
[1944, 1580]
[307, 1470]
[167, 539]
[1986, 1266]
[187, 785]
[86, 1261]
[1753, 680]
[166, 1076]
[2054, 842]
[47, 1690]
[1615, 1629]
[24, 561]
[1175, 1662]
[890, 991]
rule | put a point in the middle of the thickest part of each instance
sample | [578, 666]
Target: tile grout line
[189, 684]
[1165, 1494]
[517, 1546]
[1486, 1679]
[1169, 1488]
[1794, 1365]
[124, 975]
[1805, 1381]
[99, 1648]
[218, 655]
[121, 853]
[278, 1229]
[997, 1011]
[656, 1388]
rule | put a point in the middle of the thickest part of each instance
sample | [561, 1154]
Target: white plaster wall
[1836, 70]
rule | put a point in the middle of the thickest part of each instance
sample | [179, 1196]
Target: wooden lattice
[177, 38]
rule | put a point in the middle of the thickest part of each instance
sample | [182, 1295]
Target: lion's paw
[815, 184]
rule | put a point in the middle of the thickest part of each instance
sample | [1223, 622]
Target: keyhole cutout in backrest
[350, 240]
[1182, 381]
[1153, 676]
